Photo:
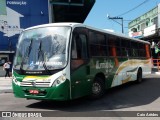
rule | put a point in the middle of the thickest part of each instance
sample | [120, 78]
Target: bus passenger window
[74, 49]
[79, 47]
[79, 51]
[147, 50]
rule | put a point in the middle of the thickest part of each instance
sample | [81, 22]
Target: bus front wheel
[98, 88]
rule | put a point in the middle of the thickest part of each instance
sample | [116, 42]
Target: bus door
[80, 84]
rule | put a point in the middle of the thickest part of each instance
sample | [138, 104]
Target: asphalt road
[128, 97]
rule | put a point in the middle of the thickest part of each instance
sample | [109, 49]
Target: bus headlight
[59, 80]
[15, 81]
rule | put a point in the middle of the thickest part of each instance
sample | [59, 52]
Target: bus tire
[98, 88]
[139, 76]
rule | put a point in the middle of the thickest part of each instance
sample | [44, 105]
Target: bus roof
[73, 25]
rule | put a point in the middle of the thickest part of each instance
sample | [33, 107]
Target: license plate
[33, 91]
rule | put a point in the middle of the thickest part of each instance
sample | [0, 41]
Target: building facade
[147, 27]
[16, 15]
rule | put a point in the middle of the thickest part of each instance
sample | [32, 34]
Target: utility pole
[113, 18]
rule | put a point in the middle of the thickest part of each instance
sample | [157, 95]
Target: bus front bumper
[60, 92]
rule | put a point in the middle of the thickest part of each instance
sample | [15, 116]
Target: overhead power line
[133, 8]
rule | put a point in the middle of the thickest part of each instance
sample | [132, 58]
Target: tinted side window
[97, 44]
[148, 51]
[111, 44]
[125, 47]
[79, 47]
[114, 45]
[134, 52]
[142, 52]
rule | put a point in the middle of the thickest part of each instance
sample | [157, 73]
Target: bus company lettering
[17, 2]
[106, 64]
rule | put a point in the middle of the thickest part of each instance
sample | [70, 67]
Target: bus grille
[35, 84]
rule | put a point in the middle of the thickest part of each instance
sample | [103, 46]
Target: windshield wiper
[40, 51]
[27, 53]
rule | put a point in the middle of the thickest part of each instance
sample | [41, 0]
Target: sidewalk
[5, 85]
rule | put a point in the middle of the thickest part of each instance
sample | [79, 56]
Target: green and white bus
[64, 61]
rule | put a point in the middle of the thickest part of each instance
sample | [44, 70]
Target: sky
[98, 14]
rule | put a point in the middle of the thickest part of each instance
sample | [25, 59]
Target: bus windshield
[42, 49]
